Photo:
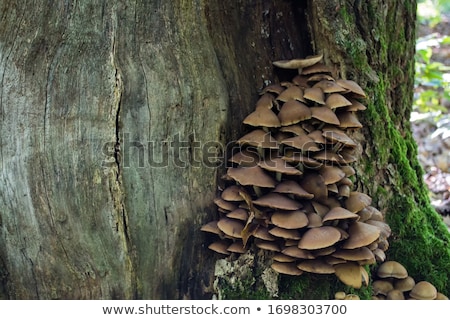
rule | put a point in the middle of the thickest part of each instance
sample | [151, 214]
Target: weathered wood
[96, 95]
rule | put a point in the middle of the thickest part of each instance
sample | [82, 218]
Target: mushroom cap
[220, 246]
[254, 176]
[293, 112]
[441, 296]
[273, 88]
[292, 187]
[292, 93]
[320, 237]
[405, 284]
[295, 252]
[360, 234]
[325, 115]
[283, 233]
[335, 135]
[293, 128]
[352, 296]
[262, 117]
[349, 273]
[395, 294]
[301, 142]
[382, 287]
[356, 105]
[348, 119]
[317, 136]
[281, 257]
[316, 266]
[277, 201]
[265, 101]
[237, 247]
[392, 269]
[352, 86]
[231, 193]
[288, 268]
[340, 295]
[336, 100]
[314, 220]
[358, 254]
[315, 95]
[339, 213]
[328, 85]
[267, 245]
[290, 220]
[314, 183]
[231, 227]
[331, 174]
[298, 63]
[318, 67]
[245, 158]
[259, 138]
[423, 290]
[225, 205]
[211, 227]
[263, 234]
[238, 214]
[279, 165]
[357, 201]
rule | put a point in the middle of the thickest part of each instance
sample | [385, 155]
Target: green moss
[317, 287]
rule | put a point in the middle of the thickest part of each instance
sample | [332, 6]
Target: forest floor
[432, 130]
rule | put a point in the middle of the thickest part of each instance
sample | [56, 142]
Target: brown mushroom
[325, 115]
[298, 253]
[405, 284]
[298, 63]
[316, 266]
[231, 227]
[277, 201]
[290, 220]
[392, 269]
[357, 201]
[361, 234]
[423, 290]
[293, 112]
[288, 268]
[293, 93]
[382, 287]
[315, 95]
[318, 238]
[349, 273]
[262, 117]
[292, 187]
[220, 246]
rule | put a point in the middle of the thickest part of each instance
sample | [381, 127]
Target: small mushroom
[382, 287]
[349, 273]
[339, 213]
[395, 295]
[298, 253]
[316, 266]
[220, 246]
[423, 290]
[392, 269]
[357, 201]
[405, 284]
[288, 268]
[315, 95]
[325, 115]
[262, 117]
[231, 227]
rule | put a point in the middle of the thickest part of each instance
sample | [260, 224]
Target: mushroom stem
[278, 176]
[258, 191]
[260, 152]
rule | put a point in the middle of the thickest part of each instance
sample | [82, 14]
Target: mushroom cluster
[290, 181]
[394, 283]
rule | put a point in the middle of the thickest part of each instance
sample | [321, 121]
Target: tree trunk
[115, 119]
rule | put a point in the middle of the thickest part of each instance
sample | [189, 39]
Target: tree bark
[115, 119]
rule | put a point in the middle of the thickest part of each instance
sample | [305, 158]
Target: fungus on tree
[290, 189]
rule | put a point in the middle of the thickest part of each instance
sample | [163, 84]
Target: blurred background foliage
[430, 117]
